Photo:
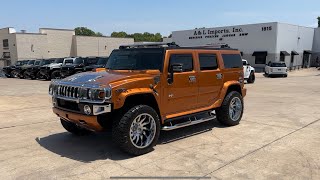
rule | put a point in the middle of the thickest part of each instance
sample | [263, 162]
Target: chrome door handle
[192, 79]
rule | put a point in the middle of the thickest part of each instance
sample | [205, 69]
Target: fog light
[54, 102]
[87, 109]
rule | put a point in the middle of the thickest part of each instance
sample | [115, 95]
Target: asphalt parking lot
[278, 138]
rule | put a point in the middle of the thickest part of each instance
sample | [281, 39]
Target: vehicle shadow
[100, 146]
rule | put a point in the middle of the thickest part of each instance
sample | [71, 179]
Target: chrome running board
[187, 123]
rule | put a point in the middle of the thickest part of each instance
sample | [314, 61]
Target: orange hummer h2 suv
[147, 88]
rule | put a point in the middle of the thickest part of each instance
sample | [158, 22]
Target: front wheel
[73, 128]
[231, 110]
[14, 73]
[137, 131]
[55, 74]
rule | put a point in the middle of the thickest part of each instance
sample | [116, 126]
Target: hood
[53, 65]
[103, 79]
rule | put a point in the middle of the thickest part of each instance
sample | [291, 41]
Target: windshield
[78, 61]
[37, 63]
[18, 63]
[47, 61]
[102, 61]
[24, 62]
[136, 59]
[68, 61]
[31, 62]
[59, 60]
[278, 65]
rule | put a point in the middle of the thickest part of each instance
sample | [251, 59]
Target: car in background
[78, 65]
[248, 72]
[10, 71]
[276, 69]
[52, 70]
[101, 64]
[33, 72]
[21, 69]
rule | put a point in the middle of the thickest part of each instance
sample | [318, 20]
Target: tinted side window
[92, 60]
[208, 62]
[232, 60]
[185, 59]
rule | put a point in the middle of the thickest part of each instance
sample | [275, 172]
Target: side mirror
[174, 68]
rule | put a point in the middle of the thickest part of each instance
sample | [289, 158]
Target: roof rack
[146, 45]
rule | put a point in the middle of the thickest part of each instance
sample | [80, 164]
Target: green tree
[139, 37]
[318, 21]
[119, 34]
[99, 34]
[84, 31]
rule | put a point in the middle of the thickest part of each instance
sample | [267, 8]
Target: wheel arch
[146, 98]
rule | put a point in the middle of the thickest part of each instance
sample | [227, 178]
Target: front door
[210, 79]
[181, 95]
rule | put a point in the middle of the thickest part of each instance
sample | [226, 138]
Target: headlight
[51, 89]
[99, 94]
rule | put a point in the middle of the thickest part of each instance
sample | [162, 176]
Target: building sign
[218, 33]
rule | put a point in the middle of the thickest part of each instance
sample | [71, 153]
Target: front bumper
[88, 122]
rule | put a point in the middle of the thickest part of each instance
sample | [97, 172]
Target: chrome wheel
[235, 109]
[142, 130]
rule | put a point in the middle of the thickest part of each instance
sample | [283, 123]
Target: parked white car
[248, 72]
[276, 69]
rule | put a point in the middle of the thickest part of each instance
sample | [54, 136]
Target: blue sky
[161, 16]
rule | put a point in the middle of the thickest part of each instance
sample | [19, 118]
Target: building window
[6, 55]
[32, 50]
[260, 59]
[5, 44]
[292, 58]
[208, 62]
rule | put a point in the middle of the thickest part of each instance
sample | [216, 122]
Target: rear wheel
[137, 130]
[252, 78]
[73, 128]
[231, 110]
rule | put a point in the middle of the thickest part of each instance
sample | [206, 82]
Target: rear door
[233, 68]
[210, 78]
[181, 95]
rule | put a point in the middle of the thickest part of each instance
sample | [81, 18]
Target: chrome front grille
[67, 91]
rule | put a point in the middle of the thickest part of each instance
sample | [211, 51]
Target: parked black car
[33, 72]
[101, 63]
[78, 65]
[10, 71]
[51, 71]
[21, 69]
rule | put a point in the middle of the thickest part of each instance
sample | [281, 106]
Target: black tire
[55, 74]
[74, 129]
[252, 78]
[121, 129]
[39, 76]
[285, 75]
[8, 76]
[223, 114]
[14, 74]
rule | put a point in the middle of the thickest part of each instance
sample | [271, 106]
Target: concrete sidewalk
[278, 138]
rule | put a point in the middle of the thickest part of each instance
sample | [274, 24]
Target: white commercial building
[53, 43]
[258, 43]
